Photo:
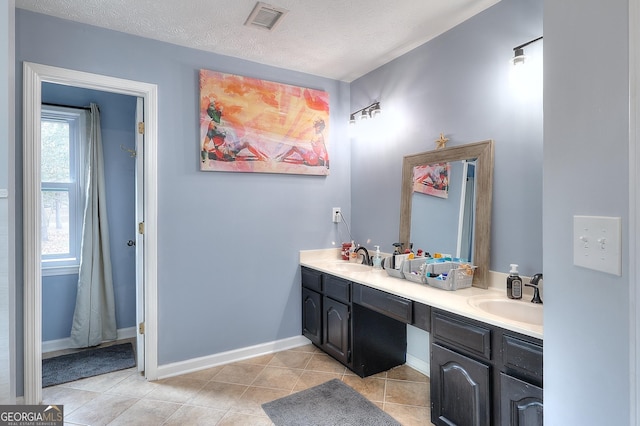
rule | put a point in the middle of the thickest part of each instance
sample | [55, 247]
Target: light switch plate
[597, 243]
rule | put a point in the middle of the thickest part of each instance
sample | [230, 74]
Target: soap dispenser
[377, 259]
[514, 283]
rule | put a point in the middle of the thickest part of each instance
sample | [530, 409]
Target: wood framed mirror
[481, 154]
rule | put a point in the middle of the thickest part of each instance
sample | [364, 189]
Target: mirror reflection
[446, 203]
[444, 194]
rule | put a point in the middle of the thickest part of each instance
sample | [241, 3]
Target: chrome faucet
[366, 260]
[536, 290]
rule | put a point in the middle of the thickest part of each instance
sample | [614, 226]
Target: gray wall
[117, 120]
[586, 172]
[228, 273]
[459, 84]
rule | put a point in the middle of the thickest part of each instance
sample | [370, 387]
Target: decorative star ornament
[442, 142]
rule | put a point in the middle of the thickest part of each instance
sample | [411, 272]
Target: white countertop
[456, 302]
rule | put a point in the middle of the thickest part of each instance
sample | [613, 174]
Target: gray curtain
[94, 318]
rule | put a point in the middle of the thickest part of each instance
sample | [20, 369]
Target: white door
[140, 236]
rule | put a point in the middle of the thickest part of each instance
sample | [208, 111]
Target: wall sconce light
[370, 111]
[518, 52]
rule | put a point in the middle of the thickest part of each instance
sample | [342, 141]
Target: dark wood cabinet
[483, 375]
[520, 402]
[460, 389]
[336, 327]
[312, 315]
[312, 305]
[363, 328]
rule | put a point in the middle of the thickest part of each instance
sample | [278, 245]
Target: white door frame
[139, 213]
[34, 75]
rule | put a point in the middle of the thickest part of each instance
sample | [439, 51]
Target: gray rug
[86, 363]
[332, 403]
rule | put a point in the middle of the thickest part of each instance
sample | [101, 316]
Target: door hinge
[141, 228]
[141, 127]
[141, 328]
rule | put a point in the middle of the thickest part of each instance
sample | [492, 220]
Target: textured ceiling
[338, 39]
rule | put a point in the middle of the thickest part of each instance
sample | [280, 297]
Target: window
[63, 136]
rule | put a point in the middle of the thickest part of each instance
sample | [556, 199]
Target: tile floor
[232, 394]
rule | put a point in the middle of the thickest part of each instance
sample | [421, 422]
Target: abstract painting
[252, 125]
[432, 179]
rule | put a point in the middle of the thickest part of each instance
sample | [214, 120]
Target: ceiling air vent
[265, 16]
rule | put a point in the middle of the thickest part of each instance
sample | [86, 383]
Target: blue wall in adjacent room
[117, 120]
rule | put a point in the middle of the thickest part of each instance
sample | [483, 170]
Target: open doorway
[65, 122]
[34, 76]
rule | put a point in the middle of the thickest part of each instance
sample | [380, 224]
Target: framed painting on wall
[432, 179]
[252, 125]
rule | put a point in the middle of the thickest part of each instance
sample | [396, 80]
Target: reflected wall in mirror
[459, 224]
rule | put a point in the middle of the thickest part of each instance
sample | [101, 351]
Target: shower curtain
[94, 318]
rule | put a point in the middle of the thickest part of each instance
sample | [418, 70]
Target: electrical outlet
[335, 214]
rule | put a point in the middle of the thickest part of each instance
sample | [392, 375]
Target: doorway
[66, 121]
[34, 76]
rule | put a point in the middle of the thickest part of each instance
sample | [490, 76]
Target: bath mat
[331, 403]
[87, 363]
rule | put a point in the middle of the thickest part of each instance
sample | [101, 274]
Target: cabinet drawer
[311, 279]
[465, 335]
[388, 304]
[523, 357]
[337, 288]
[422, 316]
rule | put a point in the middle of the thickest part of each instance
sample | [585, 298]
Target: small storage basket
[397, 273]
[459, 275]
[414, 270]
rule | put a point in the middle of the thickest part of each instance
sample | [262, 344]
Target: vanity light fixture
[518, 52]
[365, 113]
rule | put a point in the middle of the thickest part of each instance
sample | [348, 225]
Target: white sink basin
[514, 310]
[345, 266]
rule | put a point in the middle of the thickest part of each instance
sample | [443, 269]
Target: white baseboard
[62, 344]
[202, 363]
[418, 364]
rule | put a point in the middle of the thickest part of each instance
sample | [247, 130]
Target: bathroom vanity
[485, 369]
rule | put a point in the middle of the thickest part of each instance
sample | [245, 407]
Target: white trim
[62, 344]
[419, 364]
[202, 363]
[60, 270]
[634, 211]
[33, 77]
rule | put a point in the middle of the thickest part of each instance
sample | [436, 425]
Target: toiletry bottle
[396, 252]
[377, 259]
[514, 283]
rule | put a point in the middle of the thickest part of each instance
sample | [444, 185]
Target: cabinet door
[520, 402]
[336, 329]
[460, 389]
[312, 316]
